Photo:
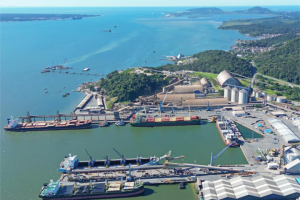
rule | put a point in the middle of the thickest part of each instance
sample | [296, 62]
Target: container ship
[93, 190]
[138, 120]
[14, 125]
[227, 134]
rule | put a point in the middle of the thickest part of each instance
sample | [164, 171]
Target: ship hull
[169, 123]
[55, 128]
[97, 196]
[101, 163]
[234, 145]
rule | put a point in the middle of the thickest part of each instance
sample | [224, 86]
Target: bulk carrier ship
[14, 125]
[228, 136]
[138, 120]
[93, 190]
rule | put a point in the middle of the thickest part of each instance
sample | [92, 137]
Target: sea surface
[32, 158]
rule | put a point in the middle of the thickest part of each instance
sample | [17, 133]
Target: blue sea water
[27, 47]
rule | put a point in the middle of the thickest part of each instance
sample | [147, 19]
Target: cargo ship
[228, 136]
[93, 190]
[138, 120]
[70, 163]
[14, 125]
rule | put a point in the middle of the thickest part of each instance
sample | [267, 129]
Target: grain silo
[227, 93]
[234, 95]
[258, 94]
[243, 96]
[271, 97]
[281, 99]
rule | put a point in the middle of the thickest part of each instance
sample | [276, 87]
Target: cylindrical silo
[281, 99]
[227, 93]
[258, 94]
[264, 94]
[234, 95]
[243, 96]
[271, 97]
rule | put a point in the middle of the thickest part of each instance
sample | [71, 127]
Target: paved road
[288, 83]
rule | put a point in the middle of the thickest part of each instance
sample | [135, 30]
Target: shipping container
[172, 119]
[157, 119]
[187, 119]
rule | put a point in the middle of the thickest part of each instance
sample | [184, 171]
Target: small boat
[46, 91]
[64, 87]
[115, 26]
[73, 90]
[104, 124]
[86, 69]
[153, 51]
[120, 123]
[107, 30]
[45, 88]
[67, 93]
[59, 90]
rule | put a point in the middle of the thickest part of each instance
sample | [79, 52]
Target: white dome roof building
[225, 78]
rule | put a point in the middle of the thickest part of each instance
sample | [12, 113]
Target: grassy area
[233, 23]
[128, 70]
[244, 82]
[110, 102]
[205, 74]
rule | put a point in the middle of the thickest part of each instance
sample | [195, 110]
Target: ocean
[30, 159]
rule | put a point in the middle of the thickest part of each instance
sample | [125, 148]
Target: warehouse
[261, 187]
[287, 134]
[293, 167]
[225, 78]
[175, 98]
[183, 89]
[205, 102]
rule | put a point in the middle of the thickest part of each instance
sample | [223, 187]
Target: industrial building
[297, 123]
[205, 82]
[175, 98]
[291, 153]
[182, 89]
[287, 134]
[293, 167]
[205, 102]
[225, 78]
[260, 187]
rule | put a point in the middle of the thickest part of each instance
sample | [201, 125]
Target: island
[17, 17]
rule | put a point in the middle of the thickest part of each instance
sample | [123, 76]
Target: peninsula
[15, 17]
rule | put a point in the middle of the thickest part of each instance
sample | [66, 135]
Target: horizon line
[134, 6]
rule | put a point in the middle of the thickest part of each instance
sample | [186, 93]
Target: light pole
[252, 129]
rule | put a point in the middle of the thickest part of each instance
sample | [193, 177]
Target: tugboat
[104, 123]
[120, 123]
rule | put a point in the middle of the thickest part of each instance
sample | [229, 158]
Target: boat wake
[104, 48]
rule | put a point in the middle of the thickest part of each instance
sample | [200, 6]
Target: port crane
[123, 158]
[107, 161]
[91, 161]
[221, 152]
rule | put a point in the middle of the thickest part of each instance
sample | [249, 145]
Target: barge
[227, 134]
[15, 126]
[92, 190]
[138, 120]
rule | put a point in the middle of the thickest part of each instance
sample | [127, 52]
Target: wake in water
[108, 47]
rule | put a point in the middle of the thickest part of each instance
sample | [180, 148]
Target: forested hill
[282, 63]
[214, 61]
[128, 86]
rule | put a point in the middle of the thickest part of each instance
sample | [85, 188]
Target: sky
[142, 3]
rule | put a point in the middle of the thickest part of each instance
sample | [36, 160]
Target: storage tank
[243, 96]
[281, 99]
[264, 94]
[258, 94]
[227, 93]
[234, 95]
[254, 93]
[271, 97]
